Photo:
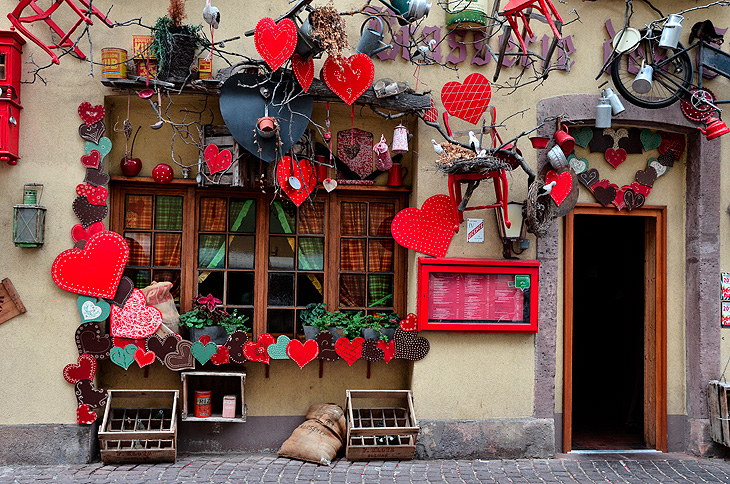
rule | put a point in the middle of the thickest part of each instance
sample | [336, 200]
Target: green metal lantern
[29, 218]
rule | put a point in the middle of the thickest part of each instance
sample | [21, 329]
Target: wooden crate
[139, 426]
[382, 432]
[717, 400]
[220, 383]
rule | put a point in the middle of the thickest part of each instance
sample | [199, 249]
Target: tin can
[142, 68]
[114, 63]
[202, 407]
[229, 406]
[205, 68]
[142, 47]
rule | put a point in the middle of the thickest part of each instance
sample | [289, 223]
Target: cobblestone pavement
[230, 468]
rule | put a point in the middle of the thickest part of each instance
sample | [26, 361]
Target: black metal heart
[88, 213]
[92, 133]
[241, 105]
[96, 177]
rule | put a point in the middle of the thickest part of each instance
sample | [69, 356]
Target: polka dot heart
[429, 229]
[410, 346]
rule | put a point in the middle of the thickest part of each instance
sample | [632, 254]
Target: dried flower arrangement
[176, 12]
[328, 28]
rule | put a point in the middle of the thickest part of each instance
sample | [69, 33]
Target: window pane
[211, 282]
[381, 215]
[352, 290]
[310, 289]
[167, 249]
[211, 251]
[169, 276]
[281, 289]
[352, 218]
[352, 254]
[140, 277]
[212, 214]
[380, 254]
[241, 251]
[281, 252]
[140, 244]
[380, 290]
[282, 217]
[168, 213]
[242, 216]
[311, 219]
[240, 288]
[311, 254]
[138, 212]
[280, 321]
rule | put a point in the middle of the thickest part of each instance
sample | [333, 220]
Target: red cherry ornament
[131, 166]
[162, 173]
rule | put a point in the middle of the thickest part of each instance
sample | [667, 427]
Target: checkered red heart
[349, 77]
[672, 144]
[469, 100]
[275, 42]
[350, 351]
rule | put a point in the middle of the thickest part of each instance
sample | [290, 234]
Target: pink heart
[429, 229]
[135, 320]
[217, 160]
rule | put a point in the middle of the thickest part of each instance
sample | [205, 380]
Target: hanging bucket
[114, 63]
[468, 15]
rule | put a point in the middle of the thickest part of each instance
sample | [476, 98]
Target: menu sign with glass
[477, 294]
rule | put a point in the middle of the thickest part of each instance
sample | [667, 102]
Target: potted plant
[339, 323]
[175, 44]
[206, 318]
[315, 318]
[390, 322]
[357, 323]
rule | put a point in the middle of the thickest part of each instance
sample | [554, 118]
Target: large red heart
[615, 156]
[302, 171]
[91, 160]
[429, 229]
[388, 349]
[91, 114]
[84, 369]
[275, 42]
[78, 232]
[136, 319]
[217, 160]
[94, 270]
[469, 100]
[350, 351]
[302, 353]
[563, 185]
[256, 351]
[144, 358]
[349, 77]
[304, 70]
[84, 414]
[432, 114]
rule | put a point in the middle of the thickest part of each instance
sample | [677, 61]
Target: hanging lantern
[29, 218]
[400, 139]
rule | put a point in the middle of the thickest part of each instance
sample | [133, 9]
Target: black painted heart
[646, 177]
[181, 358]
[327, 352]
[371, 352]
[410, 346]
[161, 348]
[666, 159]
[86, 394]
[235, 344]
[589, 177]
[124, 290]
[92, 133]
[96, 177]
[88, 213]
[633, 200]
[605, 195]
[90, 340]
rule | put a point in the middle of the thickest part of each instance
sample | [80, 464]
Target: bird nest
[539, 211]
[458, 160]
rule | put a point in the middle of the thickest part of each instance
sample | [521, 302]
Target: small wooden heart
[92, 133]
[87, 394]
[605, 195]
[326, 346]
[589, 178]
[329, 184]
[235, 345]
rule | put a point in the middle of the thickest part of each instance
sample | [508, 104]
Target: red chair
[515, 8]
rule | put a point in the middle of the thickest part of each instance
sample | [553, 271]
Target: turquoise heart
[92, 310]
[277, 351]
[104, 146]
[582, 136]
[579, 165]
[123, 357]
[658, 167]
[202, 352]
[649, 140]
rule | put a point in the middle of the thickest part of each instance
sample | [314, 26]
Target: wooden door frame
[655, 373]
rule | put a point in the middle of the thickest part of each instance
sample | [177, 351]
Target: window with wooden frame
[261, 255]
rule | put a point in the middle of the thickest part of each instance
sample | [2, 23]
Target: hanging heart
[329, 184]
[300, 353]
[410, 323]
[350, 351]
[181, 358]
[144, 358]
[136, 319]
[275, 42]
[95, 195]
[326, 344]
[303, 70]
[84, 368]
[579, 165]
[84, 414]
[582, 136]
[302, 171]
[235, 344]
[650, 140]
[429, 229]
[349, 77]
[388, 349]
[203, 352]
[91, 309]
[256, 350]
[217, 160]
[90, 340]
[91, 160]
[605, 194]
[469, 100]
[221, 356]
[92, 133]
[87, 213]
[123, 357]
[563, 185]
[432, 115]
[277, 351]
[96, 177]
[615, 156]
[78, 232]
[104, 146]
[91, 114]
[87, 394]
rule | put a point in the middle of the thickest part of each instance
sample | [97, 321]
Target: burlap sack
[312, 442]
[331, 416]
[158, 295]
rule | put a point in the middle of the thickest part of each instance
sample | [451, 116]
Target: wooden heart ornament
[221, 356]
[94, 270]
[302, 171]
[409, 323]
[277, 351]
[91, 309]
[91, 114]
[563, 185]
[388, 349]
[87, 394]
[349, 77]
[275, 42]
[78, 232]
[90, 340]
[136, 319]
[235, 344]
[217, 160]
[371, 352]
[204, 351]
[88, 213]
[302, 353]
[256, 350]
[85, 368]
[92, 133]
[95, 195]
[469, 100]
[410, 346]
[92, 160]
[181, 358]
[303, 70]
[123, 356]
[615, 156]
[326, 346]
[350, 351]
[143, 358]
[161, 348]
[429, 229]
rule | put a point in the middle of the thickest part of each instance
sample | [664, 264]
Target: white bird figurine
[212, 17]
[437, 147]
[546, 189]
[473, 142]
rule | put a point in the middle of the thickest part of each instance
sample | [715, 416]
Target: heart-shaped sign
[235, 344]
[90, 340]
[302, 171]
[432, 115]
[94, 270]
[123, 357]
[326, 344]
[410, 322]
[615, 156]
[371, 352]
[104, 146]
[87, 213]
[92, 133]
[203, 352]
[144, 358]
[388, 349]
[582, 136]
[91, 160]
[256, 350]
[303, 70]
[161, 348]
[78, 232]
[96, 177]
[302, 353]
[84, 414]
[579, 165]
[288, 106]
[650, 140]
[277, 351]
[124, 290]
[275, 42]
[410, 346]
[589, 178]
[87, 394]
[350, 351]
[136, 319]
[91, 309]
[95, 195]
[85, 368]
[605, 194]
[91, 114]
[429, 229]
[329, 184]
[563, 185]
[469, 100]
[217, 160]
[349, 77]
[181, 358]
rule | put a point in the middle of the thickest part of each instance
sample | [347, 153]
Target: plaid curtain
[212, 214]
[381, 216]
[168, 248]
[380, 290]
[352, 290]
[380, 255]
[138, 212]
[168, 213]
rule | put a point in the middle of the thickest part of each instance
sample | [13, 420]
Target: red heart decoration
[618, 201]
[639, 188]
[350, 351]
[94, 270]
[136, 319]
[410, 323]
[84, 369]
[144, 358]
[78, 232]
[95, 195]
[469, 100]
[91, 114]
[91, 160]
[205, 339]
[221, 356]
[303, 172]
[124, 342]
[302, 353]
[84, 414]
[563, 185]
[349, 77]
[304, 70]
[432, 114]
[388, 349]
[256, 351]
[615, 156]
[275, 42]
[217, 161]
[429, 229]
[672, 143]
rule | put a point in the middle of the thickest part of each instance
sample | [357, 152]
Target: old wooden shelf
[220, 383]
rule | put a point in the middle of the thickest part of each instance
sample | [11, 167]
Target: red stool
[515, 8]
[500, 189]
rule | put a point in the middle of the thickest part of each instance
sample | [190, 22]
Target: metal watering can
[371, 41]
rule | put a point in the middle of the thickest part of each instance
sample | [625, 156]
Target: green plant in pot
[315, 318]
[390, 322]
[206, 318]
[359, 322]
[175, 44]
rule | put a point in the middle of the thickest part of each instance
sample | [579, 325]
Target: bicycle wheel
[671, 78]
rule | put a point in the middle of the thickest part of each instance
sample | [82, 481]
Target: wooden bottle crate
[718, 394]
[382, 432]
[139, 426]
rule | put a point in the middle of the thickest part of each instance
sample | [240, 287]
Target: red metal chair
[515, 9]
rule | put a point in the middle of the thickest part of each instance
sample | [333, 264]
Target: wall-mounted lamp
[29, 218]
[516, 232]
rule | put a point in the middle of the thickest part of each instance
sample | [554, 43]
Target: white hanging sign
[475, 230]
